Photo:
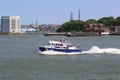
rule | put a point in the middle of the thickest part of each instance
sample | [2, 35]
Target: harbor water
[20, 60]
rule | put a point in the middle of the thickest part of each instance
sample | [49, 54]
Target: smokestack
[79, 15]
[71, 16]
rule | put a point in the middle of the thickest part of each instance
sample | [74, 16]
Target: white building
[10, 24]
[28, 30]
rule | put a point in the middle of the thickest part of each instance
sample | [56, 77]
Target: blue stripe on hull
[59, 50]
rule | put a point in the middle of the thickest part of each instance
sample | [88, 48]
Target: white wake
[96, 49]
[58, 53]
[93, 50]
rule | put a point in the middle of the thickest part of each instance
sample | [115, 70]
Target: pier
[11, 33]
[75, 34]
[54, 34]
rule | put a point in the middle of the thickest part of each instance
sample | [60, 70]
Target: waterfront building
[10, 24]
[99, 28]
[0, 28]
[28, 30]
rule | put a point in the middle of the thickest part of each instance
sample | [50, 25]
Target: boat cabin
[61, 44]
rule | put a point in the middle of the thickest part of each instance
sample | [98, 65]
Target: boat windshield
[56, 44]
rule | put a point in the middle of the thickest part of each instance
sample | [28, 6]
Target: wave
[96, 49]
[93, 50]
[58, 53]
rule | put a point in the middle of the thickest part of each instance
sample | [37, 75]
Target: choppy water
[19, 59]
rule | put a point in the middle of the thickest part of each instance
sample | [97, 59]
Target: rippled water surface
[19, 59]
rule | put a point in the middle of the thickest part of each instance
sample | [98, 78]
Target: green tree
[107, 21]
[72, 26]
[90, 21]
[80, 25]
[117, 21]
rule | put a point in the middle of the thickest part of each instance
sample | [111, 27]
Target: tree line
[79, 25]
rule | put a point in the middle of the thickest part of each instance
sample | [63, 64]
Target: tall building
[10, 24]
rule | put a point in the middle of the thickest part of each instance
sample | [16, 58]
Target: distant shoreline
[68, 34]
